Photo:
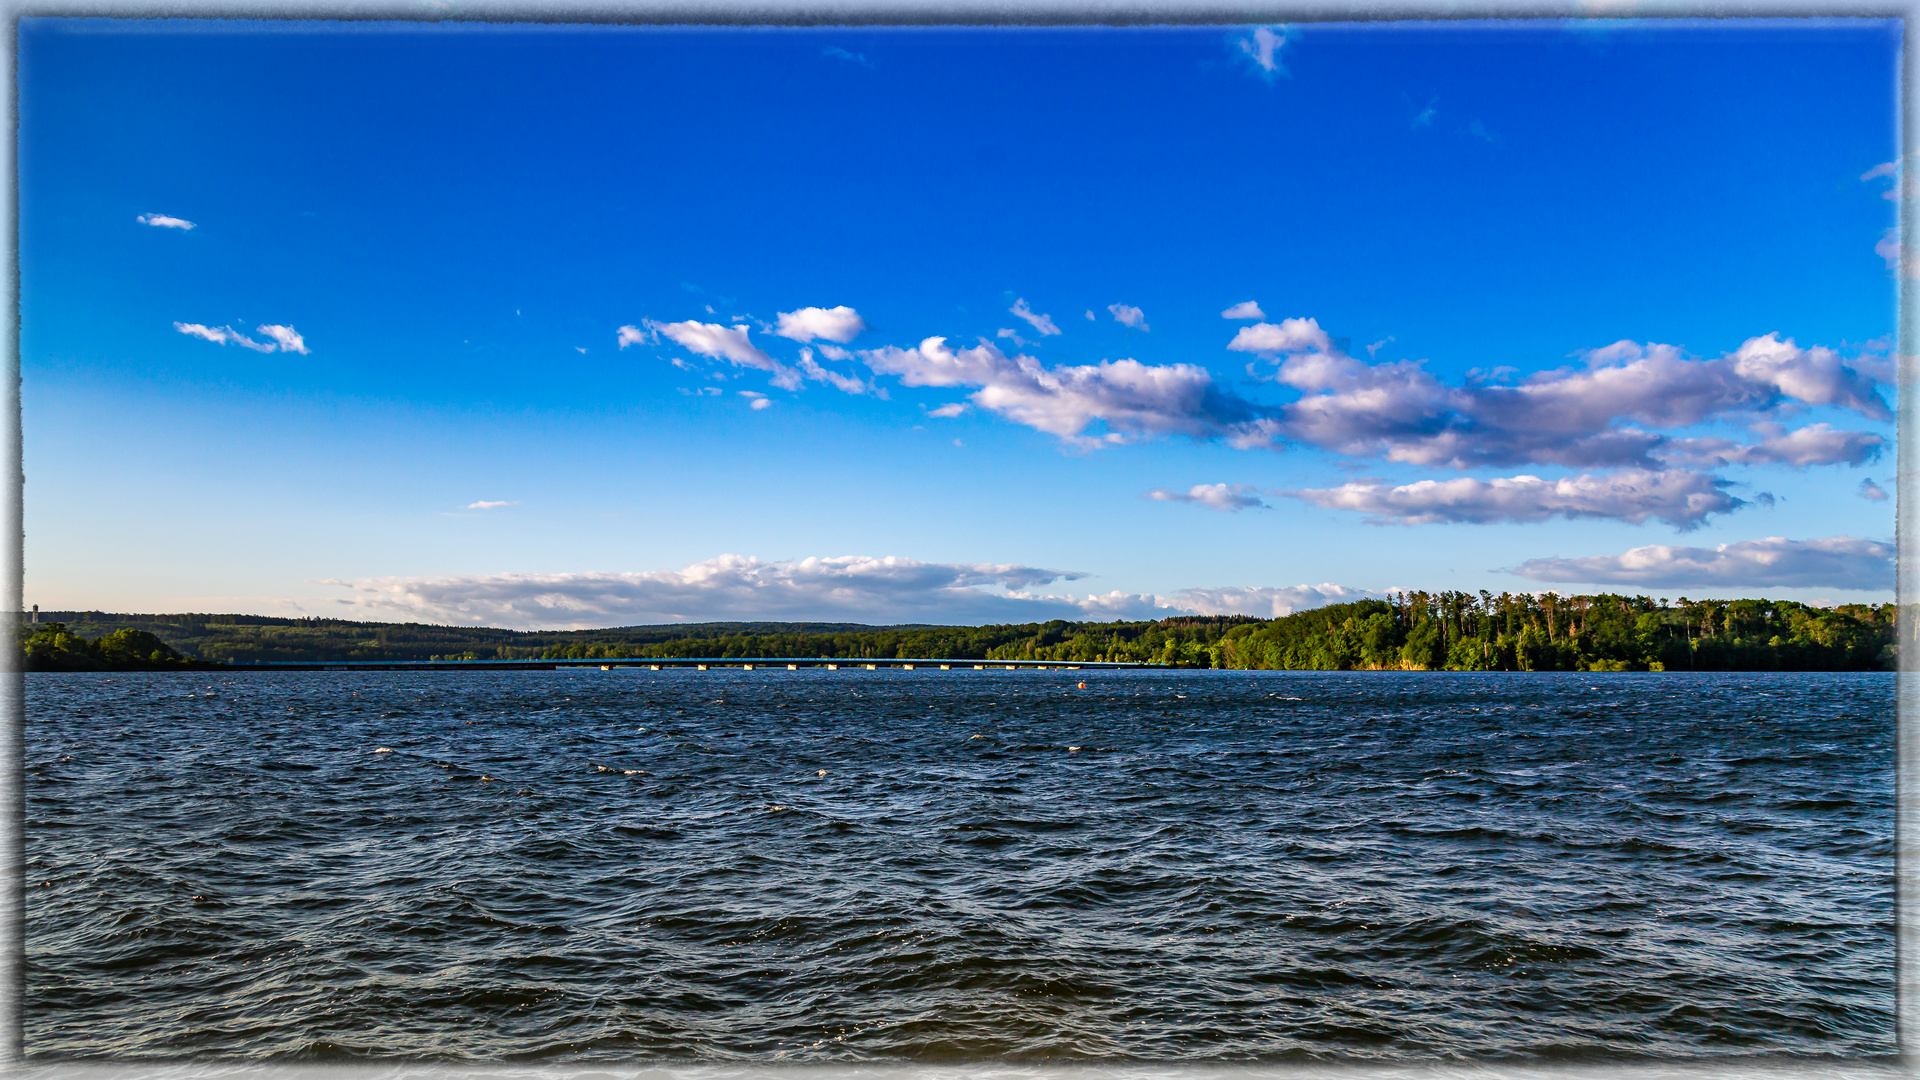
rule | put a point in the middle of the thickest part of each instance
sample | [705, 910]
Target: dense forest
[51, 647]
[1413, 631]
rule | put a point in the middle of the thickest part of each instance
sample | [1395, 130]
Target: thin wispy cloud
[839, 53]
[756, 399]
[164, 222]
[1836, 562]
[1246, 309]
[1263, 48]
[838, 324]
[850, 384]
[1871, 491]
[1231, 498]
[1042, 323]
[1424, 118]
[1889, 170]
[284, 338]
[490, 504]
[1129, 316]
[839, 589]
[1682, 498]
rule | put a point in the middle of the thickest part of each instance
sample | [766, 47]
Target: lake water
[806, 866]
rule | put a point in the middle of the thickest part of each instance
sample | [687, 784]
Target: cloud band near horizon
[860, 589]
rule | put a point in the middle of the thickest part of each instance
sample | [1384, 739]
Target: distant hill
[1420, 631]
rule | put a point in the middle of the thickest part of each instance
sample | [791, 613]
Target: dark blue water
[811, 865]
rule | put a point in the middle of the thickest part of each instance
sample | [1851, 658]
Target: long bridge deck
[698, 663]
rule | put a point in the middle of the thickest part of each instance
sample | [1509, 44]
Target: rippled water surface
[813, 865]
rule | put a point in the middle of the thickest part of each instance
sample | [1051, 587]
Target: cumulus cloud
[755, 399]
[489, 504]
[1680, 497]
[840, 589]
[1228, 497]
[164, 222]
[1263, 48]
[1246, 309]
[1872, 491]
[1836, 562]
[841, 324]
[1132, 400]
[714, 341]
[285, 338]
[631, 335]
[1815, 444]
[1594, 415]
[1290, 336]
[1129, 316]
[947, 411]
[1042, 323]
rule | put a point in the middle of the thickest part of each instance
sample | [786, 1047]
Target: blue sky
[541, 326]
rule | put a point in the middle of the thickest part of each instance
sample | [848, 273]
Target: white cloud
[952, 410]
[1228, 497]
[1011, 335]
[1133, 400]
[1129, 316]
[285, 339]
[1291, 336]
[845, 383]
[839, 53]
[632, 335]
[846, 588]
[1885, 168]
[840, 589]
[1246, 309]
[755, 399]
[1680, 497]
[1888, 248]
[841, 324]
[1266, 602]
[714, 340]
[486, 504]
[1815, 444]
[1264, 49]
[1836, 562]
[1090, 317]
[289, 338]
[834, 352]
[164, 222]
[1042, 323]
[1581, 417]
[1872, 491]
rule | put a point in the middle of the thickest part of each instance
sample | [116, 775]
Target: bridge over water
[697, 663]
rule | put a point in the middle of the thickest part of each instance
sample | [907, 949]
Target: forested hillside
[1414, 631]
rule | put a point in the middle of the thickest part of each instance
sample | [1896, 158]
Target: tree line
[1410, 631]
[52, 647]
